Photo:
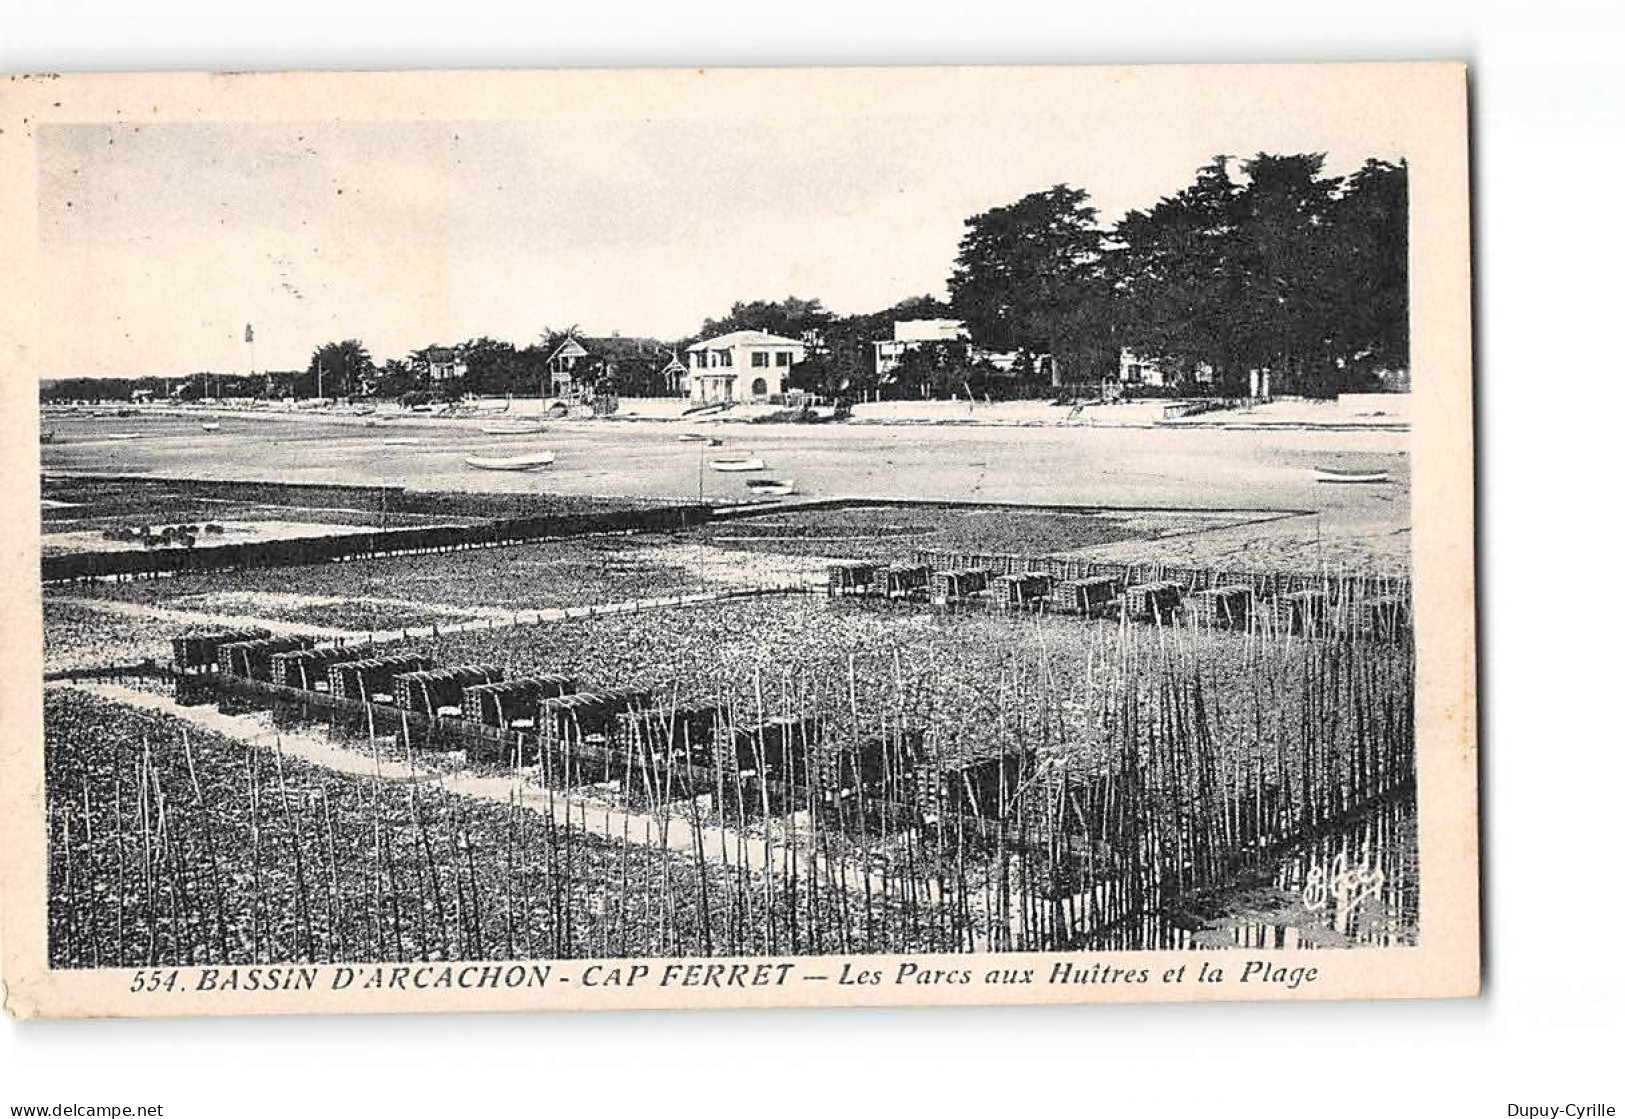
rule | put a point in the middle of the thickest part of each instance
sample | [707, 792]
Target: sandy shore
[1162, 467]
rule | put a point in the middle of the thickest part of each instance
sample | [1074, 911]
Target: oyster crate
[1222, 606]
[253, 658]
[1089, 595]
[1299, 611]
[501, 703]
[1155, 601]
[428, 690]
[1017, 592]
[947, 586]
[363, 679]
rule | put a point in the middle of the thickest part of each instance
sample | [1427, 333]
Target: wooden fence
[414, 540]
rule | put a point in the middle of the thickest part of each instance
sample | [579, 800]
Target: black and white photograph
[750, 539]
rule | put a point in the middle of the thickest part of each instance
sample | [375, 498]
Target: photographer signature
[1343, 885]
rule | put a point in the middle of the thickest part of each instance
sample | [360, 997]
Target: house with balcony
[742, 365]
[442, 364]
[628, 366]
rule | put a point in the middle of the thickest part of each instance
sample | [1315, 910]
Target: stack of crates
[583, 715]
[253, 658]
[983, 788]
[1089, 596]
[907, 581]
[433, 690]
[364, 679]
[851, 577]
[683, 735]
[307, 669]
[872, 768]
[1222, 607]
[1023, 591]
[778, 747]
[1299, 611]
[201, 651]
[955, 586]
[1152, 602]
[505, 703]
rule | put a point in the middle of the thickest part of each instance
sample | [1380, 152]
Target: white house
[911, 334]
[444, 364]
[1133, 369]
[741, 365]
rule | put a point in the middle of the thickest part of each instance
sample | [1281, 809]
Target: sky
[159, 242]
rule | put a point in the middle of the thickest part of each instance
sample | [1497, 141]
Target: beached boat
[364, 410]
[210, 425]
[771, 487]
[380, 421]
[696, 437]
[1347, 477]
[513, 462]
[737, 465]
[513, 428]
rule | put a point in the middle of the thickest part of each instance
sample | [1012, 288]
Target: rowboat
[1348, 477]
[517, 428]
[124, 435]
[696, 437]
[736, 465]
[402, 442]
[771, 487]
[515, 462]
[210, 425]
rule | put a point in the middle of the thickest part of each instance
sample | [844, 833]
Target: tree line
[1267, 263]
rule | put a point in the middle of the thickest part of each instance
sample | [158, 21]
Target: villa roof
[743, 338]
[614, 346]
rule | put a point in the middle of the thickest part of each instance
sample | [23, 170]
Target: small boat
[210, 425]
[771, 487]
[515, 428]
[380, 421]
[696, 437]
[364, 410]
[737, 465]
[124, 435]
[409, 442]
[1348, 477]
[515, 462]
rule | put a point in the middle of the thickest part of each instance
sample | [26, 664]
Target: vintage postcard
[603, 540]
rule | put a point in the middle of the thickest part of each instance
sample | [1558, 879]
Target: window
[758, 387]
[727, 357]
[782, 359]
[1133, 374]
[758, 360]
